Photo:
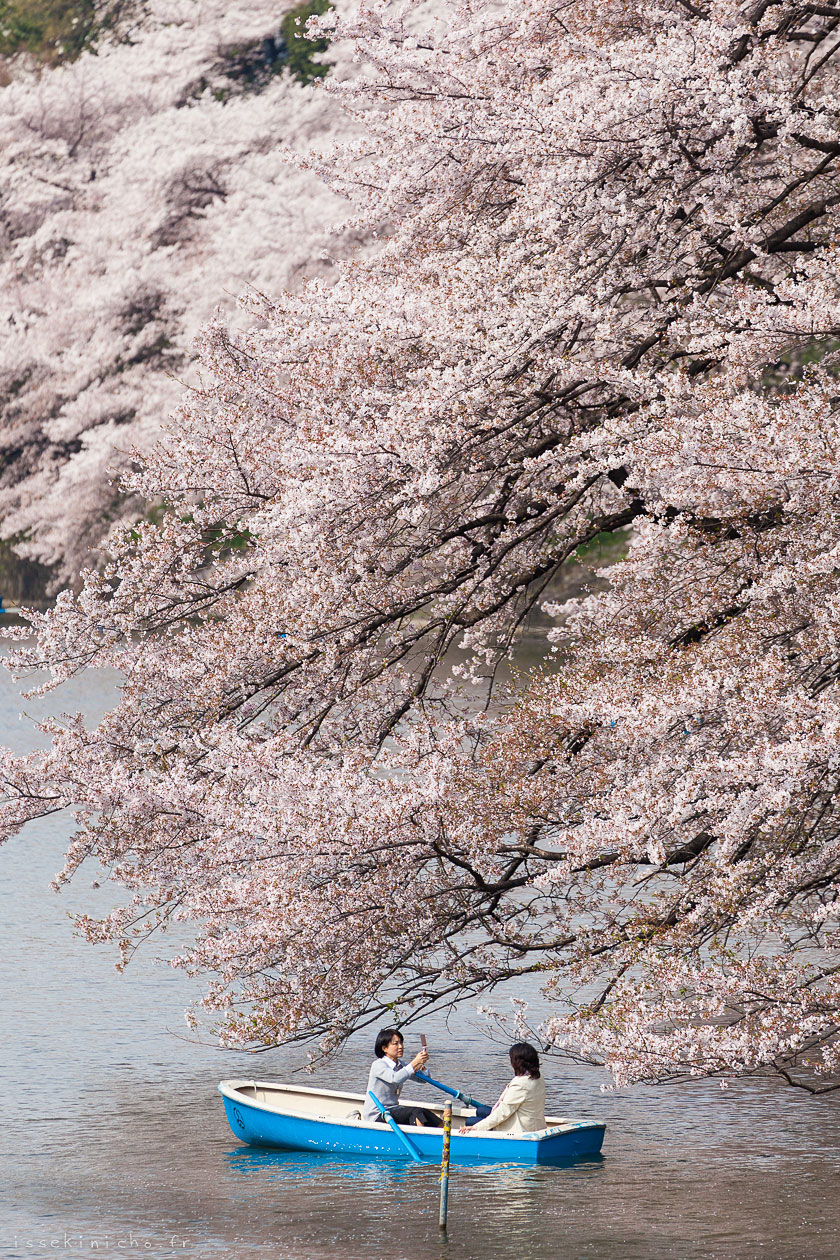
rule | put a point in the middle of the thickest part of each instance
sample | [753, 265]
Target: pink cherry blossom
[605, 296]
[144, 187]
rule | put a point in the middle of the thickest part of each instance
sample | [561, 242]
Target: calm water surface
[114, 1139]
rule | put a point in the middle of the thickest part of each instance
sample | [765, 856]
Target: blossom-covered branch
[606, 295]
[143, 186]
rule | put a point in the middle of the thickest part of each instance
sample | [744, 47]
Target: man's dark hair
[383, 1037]
[524, 1060]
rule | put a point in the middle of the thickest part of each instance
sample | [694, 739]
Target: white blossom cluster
[606, 296]
[142, 187]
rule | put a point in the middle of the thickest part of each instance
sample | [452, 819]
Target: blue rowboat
[294, 1118]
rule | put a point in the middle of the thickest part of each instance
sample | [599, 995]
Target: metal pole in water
[444, 1164]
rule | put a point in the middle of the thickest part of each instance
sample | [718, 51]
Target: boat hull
[260, 1123]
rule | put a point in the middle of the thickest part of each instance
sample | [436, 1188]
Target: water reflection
[501, 1202]
[314, 1169]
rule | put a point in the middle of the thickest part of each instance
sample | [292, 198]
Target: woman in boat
[388, 1074]
[521, 1108]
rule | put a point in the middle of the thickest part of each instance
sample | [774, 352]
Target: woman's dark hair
[382, 1038]
[524, 1060]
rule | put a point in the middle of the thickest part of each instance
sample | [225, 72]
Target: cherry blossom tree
[142, 186]
[605, 297]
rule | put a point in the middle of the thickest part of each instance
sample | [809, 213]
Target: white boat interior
[330, 1104]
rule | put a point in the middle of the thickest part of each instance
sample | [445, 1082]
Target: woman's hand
[463, 1132]
[420, 1060]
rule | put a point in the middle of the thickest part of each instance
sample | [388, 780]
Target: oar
[447, 1089]
[404, 1138]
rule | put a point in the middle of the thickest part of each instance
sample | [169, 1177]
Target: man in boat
[388, 1074]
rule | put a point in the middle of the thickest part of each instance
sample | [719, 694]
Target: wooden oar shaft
[447, 1089]
[403, 1137]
